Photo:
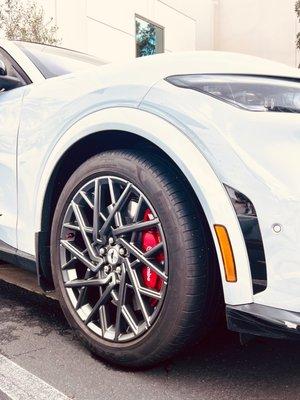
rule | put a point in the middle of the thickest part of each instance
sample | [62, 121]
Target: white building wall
[202, 12]
[106, 28]
[264, 28]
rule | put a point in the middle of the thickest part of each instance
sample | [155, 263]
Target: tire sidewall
[123, 166]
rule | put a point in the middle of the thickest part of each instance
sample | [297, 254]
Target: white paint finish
[33, 73]
[52, 108]
[262, 28]
[258, 154]
[10, 109]
[19, 384]
[208, 187]
[211, 141]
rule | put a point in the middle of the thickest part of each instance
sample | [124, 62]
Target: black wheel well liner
[78, 153]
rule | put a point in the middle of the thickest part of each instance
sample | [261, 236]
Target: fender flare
[208, 188]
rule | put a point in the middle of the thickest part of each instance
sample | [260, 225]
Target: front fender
[208, 188]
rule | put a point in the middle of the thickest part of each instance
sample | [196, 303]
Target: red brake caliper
[150, 239]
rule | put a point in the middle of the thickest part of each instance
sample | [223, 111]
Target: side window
[13, 69]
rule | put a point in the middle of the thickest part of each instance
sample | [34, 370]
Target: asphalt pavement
[35, 335]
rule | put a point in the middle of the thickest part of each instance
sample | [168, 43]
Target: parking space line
[19, 384]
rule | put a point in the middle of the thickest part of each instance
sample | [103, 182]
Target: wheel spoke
[117, 207]
[111, 191]
[136, 217]
[87, 200]
[69, 264]
[145, 291]
[89, 282]
[77, 228]
[79, 255]
[102, 314]
[149, 253]
[121, 299]
[96, 209]
[82, 283]
[103, 299]
[137, 226]
[81, 224]
[141, 257]
[71, 226]
[82, 291]
[114, 192]
[137, 292]
[150, 293]
[128, 315]
[130, 320]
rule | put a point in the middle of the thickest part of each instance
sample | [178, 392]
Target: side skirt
[16, 257]
[259, 320]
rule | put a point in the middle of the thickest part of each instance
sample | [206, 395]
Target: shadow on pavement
[218, 368]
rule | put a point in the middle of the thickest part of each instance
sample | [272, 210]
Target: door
[10, 110]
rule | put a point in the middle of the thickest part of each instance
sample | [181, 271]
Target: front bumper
[259, 320]
[257, 154]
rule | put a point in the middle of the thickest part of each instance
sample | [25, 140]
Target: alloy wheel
[113, 258]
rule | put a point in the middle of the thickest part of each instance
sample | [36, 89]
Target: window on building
[149, 37]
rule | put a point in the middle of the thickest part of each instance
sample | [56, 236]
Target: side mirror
[3, 70]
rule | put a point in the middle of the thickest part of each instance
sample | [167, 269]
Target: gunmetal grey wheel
[133, 260]
[114, 271]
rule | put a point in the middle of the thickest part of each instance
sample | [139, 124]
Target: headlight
[252, 93]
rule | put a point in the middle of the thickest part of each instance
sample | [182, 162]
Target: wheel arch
[71, 159]
[121, 128]
[80, 151]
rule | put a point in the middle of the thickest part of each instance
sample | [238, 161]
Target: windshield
[55, 61]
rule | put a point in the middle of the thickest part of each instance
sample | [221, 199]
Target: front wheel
[132, 259]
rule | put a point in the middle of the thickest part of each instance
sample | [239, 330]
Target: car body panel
[209, 189]
[49, 111]
[258, 154]
[26, 64]
[212, 142]
[10, 110]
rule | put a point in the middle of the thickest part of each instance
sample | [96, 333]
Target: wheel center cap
[113, 257]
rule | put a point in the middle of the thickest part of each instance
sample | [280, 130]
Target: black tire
[192, 299]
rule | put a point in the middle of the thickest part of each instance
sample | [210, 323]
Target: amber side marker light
[227, 253]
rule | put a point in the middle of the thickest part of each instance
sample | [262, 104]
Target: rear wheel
[132, 258]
